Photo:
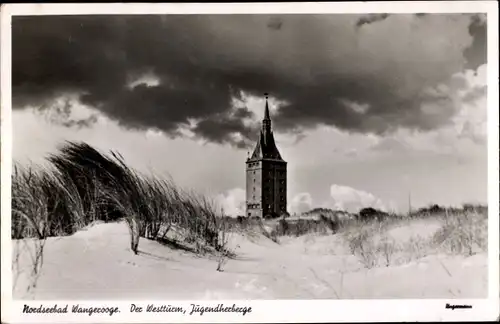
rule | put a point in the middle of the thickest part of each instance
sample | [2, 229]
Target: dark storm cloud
[217, 129]
[476, 54]
[421, 14]
[275, 23]
[60, 114]
[321, 66]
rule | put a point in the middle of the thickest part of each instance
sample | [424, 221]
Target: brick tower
[265, 175]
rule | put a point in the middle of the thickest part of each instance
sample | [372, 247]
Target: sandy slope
[97, 264]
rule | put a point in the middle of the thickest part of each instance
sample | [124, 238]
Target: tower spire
[266, 112]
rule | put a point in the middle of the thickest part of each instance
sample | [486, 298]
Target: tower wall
[274, 187]
[266, 187]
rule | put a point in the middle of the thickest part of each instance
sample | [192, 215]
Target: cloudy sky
[367, 109]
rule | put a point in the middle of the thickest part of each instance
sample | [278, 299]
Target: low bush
[462, 232]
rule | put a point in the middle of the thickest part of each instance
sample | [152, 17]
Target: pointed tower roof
[266, 145]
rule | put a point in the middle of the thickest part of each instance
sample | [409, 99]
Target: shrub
[361, 244]
[32, 221]
[387, 247]
[282, 228]
[333, 224]
[463, 233]
[369, 213]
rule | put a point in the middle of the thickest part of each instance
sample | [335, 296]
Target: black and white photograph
[266, 156]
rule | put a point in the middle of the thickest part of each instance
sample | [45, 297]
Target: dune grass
[81, 186]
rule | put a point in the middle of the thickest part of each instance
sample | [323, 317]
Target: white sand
[97, 263]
